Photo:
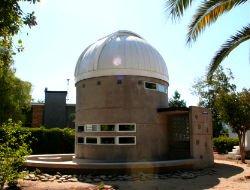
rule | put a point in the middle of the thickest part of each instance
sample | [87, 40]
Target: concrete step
[232, 155]
[236, 151]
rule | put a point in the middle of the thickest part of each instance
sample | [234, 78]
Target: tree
[176, 101]
[14, 93]
[13, 148]
[235, 111]
[208, 90]
[207, 13]
[15, 97]
[12, 19]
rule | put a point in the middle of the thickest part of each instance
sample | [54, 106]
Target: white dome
[121, 53]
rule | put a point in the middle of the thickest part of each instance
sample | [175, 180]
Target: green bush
[224, 144]
[13, 148]
[52, 141]
[17, 141]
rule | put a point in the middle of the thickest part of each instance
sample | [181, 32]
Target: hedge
[52, 141]
[224, 144]
[61, 141]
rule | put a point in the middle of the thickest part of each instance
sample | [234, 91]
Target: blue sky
[65, 28]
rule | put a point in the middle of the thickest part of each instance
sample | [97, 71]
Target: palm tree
[206, 14]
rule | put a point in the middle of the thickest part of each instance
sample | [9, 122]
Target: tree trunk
[1, 186]
[241, 136]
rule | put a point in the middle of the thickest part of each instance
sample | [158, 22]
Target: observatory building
[122, 112]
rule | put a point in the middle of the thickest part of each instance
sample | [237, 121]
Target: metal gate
[179, 137]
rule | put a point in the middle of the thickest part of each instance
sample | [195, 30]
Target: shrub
[13, 147]
[224, 144]
[52, 141]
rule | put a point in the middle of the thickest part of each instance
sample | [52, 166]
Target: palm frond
[227, 47]
[176, 8]
[208, 13]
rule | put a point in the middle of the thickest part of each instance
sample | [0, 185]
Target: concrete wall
[104, 100]
[122, 99]
[247, 141]
[201, 136]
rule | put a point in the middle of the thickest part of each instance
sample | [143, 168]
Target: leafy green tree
[176, 101]
[14, 93]
[13, 148]
[207, 13]
[208, 90]
[12, 19]
[234, 109]
[15, 97]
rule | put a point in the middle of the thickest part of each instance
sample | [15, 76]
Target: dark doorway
[179, 137]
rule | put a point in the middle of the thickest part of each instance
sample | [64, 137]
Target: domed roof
[121, 53]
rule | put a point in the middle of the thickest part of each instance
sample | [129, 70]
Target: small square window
[80, 140]
[91, 140]
[126, 127]
[107, 127]
[91, 127]
[107, 140]
[80, 129]
[126, 140]
[98, 82]
[83, 85]
[150, 85]
[119, 81]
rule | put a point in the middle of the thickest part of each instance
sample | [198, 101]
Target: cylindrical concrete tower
[121, 80]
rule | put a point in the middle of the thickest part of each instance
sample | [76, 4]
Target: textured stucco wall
[201, 136]
[103, 101]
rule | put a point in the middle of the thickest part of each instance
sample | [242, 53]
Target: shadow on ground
[207, 179]
[198, 183]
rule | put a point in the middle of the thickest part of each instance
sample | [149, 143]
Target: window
[162, 88]
[150, 85]
[91, 127]
[107, 127]
[91, 140]
[80, 129]
[107, 140]
[102, 130]
[126, 127]
[155, 86]
[80, 140]
[126, 140]
[99, 127]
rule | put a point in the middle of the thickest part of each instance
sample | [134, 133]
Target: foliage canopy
[14, 93]
[207, 13]
[208, 90]
[176, 101]
[235, 111]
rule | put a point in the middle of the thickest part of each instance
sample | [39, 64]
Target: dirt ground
[229, 175]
